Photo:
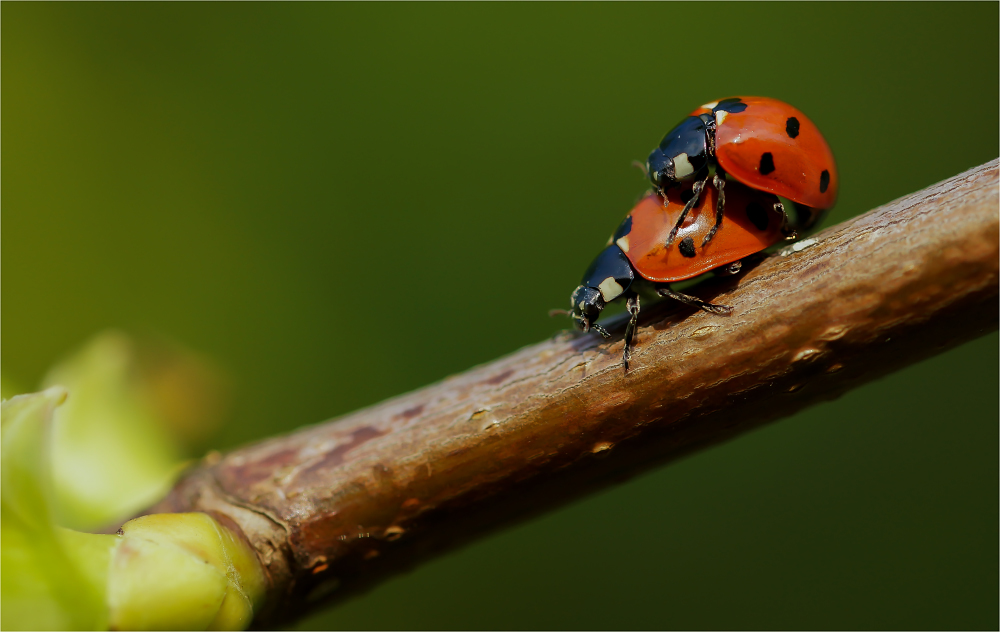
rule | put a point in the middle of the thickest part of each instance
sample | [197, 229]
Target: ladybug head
[608, 278]
[661, 169]
[587, 305]
[683, 154]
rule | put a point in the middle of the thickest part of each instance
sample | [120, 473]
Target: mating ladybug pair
[717, 176]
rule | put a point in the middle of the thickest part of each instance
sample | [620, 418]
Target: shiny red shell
[798, 164]
[750, 224]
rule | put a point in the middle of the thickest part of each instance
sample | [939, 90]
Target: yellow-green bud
[182, 571]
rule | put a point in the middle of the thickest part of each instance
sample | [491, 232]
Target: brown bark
[335, 507]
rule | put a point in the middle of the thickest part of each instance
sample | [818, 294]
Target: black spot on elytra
[733, 105]
[824, 181]
[686, 247]
[757, 215]
[792, 127]
[686, 195]
[623, 229]
[766, 163]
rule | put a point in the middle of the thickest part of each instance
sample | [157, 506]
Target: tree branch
[334, 507]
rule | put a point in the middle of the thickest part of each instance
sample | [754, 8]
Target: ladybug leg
[719, 182]
[786, 228]
[711, 308]
[695, 194]
[632, 305]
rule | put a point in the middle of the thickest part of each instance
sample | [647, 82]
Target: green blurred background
[342, 202]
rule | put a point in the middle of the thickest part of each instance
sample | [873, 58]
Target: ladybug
[763, 143]
[637, 257]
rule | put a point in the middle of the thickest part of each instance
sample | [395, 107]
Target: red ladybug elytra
[637, 253]
[752, 224]
[763, 143]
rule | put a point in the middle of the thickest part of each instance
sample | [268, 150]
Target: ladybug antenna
[643, 167]
[559, 312]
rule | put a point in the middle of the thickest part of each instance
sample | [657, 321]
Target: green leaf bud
[183, 571]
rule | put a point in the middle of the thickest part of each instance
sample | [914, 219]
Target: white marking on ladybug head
[610, 289]
[720, 117]
[709, 106]
[682, 166]
[623, 243]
